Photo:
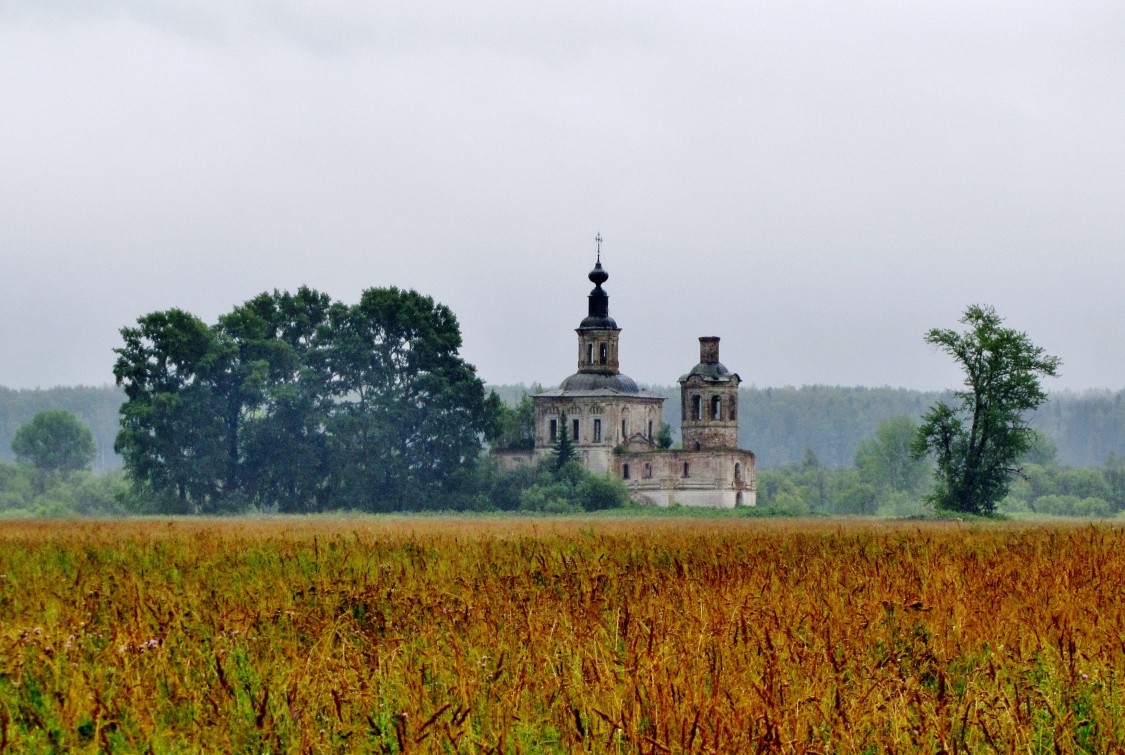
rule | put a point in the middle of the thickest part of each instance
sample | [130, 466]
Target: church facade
[613, 424]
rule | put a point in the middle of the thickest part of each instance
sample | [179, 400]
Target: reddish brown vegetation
[528, 635]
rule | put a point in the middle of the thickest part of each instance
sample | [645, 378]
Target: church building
[613, 424]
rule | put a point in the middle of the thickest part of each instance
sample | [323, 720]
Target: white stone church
[613, 423]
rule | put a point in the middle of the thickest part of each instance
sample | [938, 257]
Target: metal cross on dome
[598, 239]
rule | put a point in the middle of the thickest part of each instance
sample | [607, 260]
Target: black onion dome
[592, 381]
[597, 316]
[598, 275]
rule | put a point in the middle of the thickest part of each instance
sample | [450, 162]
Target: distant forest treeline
[778, 424]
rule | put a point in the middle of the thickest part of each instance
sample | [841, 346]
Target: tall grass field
[560, 635]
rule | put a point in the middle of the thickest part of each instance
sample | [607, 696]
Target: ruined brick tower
[709, 402]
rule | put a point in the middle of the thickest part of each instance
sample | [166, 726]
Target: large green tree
[977, 443]
[178, 434]
[408, 412]
[55, 441]
[295, 402]
[282, 339]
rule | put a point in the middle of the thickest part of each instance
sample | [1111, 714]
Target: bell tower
[598, 333]
[709, 402]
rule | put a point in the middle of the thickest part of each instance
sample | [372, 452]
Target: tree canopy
[977, 443]
[885, 461]
[55, 441]
[299, 402]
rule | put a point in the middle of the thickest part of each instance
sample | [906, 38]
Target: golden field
[586, 634]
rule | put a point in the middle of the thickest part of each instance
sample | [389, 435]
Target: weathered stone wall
[638, 415]
[711, 478]
[592, 344]
[700, 425]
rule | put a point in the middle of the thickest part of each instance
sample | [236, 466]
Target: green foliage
[514, 428]
[55, 441]
[176, 436]
[1115, 480]
[406, 411]
[786, 490]
[777, 423]
[1041, 449]
[1071, 505]
[1065, 491]
[664, 437]
[884, 482]
[95, 407]
[977, 443]
[597, 492]
[25, 492]
[296, 403]
[886, 463]
[548, 488]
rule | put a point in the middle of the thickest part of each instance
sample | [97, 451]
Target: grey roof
[593, 381]
[711, 372]
[606, 394]
[595, 322]
[591, 384]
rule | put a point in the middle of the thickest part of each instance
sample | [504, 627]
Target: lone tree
[55, 441]
[977, 444]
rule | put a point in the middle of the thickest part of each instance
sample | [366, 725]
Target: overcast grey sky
[818, 183]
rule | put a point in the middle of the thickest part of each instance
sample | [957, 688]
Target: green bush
[1071, 505]
[596, 493]
[26, 491]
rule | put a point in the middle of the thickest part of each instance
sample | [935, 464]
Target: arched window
[738, 498]
[623, 426]
[733, 409]
[648, 471]
[697, 407]
[589, 353]
[604, 353]
[716, 408]
[625, 471]
[737, 472]
[686, 470]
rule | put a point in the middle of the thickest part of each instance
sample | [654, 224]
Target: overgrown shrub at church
[297, 403]
[542, 488]
[572, 488]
